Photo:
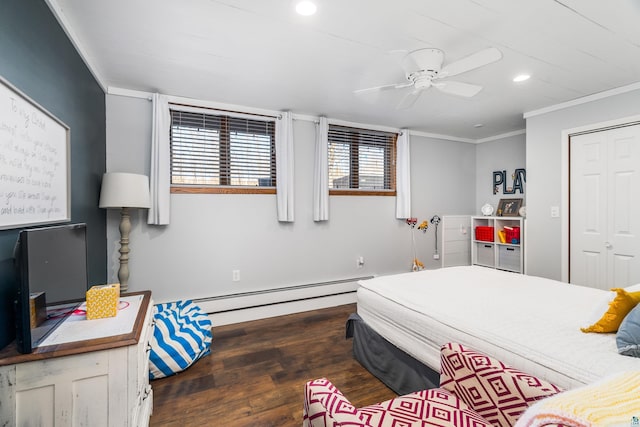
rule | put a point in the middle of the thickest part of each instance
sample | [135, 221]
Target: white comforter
[528, 322]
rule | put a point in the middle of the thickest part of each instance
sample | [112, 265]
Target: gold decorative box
[102, 301]
[37, 309]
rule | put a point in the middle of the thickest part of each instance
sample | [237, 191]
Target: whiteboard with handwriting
[34, 162]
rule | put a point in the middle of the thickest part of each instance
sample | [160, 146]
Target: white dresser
[99, 381]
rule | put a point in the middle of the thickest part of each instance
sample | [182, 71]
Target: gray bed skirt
[397, 370]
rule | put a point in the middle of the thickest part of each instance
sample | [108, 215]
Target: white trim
[111, 90]
[504, 135]
[255, 313]
[215, 111]
[195, 103]
[216, 304]
[277, 302]
[306, 117]
[564, 184]
[439, 136]
[603, 125]
[583, 100]
[564, 206]
[221, 106]
[75, 41]
[381, 128]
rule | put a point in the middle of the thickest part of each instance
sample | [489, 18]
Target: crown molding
[112, 90]
[584, 100]
[440, 136]
[501, 136]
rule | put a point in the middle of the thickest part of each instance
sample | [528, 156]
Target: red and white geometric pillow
[496, 391]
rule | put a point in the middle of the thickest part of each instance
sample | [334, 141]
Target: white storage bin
[485, 254]
[509, 258]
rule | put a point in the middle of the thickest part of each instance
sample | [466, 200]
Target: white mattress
[530, 323]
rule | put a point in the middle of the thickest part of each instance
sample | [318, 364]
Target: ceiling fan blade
[385, 87]
[409, 99]
[471, 62]
[458, 88]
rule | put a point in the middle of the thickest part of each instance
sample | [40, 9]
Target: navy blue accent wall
[37, 57]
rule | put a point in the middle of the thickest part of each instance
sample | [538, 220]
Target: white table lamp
[123, 191]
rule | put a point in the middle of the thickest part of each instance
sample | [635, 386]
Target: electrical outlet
[360, 262]
[236, 275]
[436, 256]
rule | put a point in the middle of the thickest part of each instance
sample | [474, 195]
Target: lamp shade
[124, 190]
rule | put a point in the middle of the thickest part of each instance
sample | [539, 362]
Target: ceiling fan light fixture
[306, 8]
[521, 78]
[422, 82]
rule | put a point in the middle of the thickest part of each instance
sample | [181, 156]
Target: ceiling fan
[423, 69]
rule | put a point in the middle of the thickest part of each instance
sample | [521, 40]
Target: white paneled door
[605, 208]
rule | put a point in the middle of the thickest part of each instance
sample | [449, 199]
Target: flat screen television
[52, 269]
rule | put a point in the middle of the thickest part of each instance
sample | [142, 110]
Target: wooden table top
[10, 355]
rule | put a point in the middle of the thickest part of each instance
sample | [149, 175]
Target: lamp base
[125, 229]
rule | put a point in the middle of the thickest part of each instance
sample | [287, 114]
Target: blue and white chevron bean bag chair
[181, 335]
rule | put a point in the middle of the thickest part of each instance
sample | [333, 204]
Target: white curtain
[159, 178]
[321, 172]
[403, 176]
[284, 167]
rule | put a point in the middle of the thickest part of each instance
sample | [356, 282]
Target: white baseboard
[280, 309]
[244, 307]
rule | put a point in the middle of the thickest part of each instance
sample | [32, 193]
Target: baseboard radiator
[245, 306]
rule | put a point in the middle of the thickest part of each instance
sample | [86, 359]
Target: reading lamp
[124, 191]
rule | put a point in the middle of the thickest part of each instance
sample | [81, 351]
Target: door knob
[608, 245]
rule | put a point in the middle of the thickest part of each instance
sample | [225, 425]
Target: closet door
[623, 207]
[588, 210]
[605, 208]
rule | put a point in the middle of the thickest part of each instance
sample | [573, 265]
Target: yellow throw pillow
[619, 307]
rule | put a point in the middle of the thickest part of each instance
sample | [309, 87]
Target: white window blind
[221, 150]
[361, 159]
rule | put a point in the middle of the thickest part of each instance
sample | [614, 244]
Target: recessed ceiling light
[478, 125]
[306, 8]
[521, 77]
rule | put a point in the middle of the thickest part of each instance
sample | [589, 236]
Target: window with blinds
[361, 159]
[212, 150]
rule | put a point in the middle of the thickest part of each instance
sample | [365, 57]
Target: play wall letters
[518, 177]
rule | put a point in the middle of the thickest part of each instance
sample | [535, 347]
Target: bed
[530, 323]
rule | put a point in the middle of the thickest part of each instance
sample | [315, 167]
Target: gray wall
[211, 235]
[506, 154]
[544, 167]
[38, 59]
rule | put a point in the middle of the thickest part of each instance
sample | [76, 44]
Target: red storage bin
[513, 235]
[484, 233]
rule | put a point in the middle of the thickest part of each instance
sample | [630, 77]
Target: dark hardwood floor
[256, 373]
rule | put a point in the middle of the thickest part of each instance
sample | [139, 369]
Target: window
[361, 161]
[222, 153]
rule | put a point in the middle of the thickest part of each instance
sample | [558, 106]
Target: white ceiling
[261, 54]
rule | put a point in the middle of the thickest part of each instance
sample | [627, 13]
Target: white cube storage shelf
[508, 256]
